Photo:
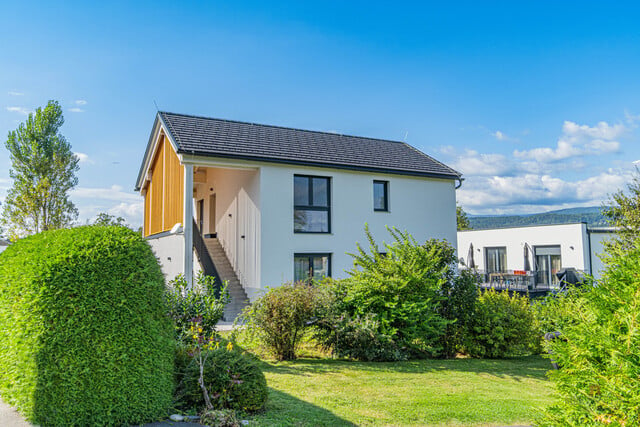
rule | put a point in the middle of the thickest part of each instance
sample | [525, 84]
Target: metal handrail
[208, 267]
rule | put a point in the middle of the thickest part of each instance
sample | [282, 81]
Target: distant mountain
[591, 215]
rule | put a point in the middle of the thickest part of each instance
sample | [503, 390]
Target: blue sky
[538, 105]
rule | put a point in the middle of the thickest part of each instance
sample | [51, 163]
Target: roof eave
[452, 176]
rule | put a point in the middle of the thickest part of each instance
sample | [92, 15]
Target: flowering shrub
[186, 304]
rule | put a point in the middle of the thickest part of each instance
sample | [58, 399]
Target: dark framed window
[381, 196]
[311, 204]
[307, 267]
[496, 260]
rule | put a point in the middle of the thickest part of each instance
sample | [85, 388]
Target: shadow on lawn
[518, 367]
[285, 410]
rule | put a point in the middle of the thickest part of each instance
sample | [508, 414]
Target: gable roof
[211, 137]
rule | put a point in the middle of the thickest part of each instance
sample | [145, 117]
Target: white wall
[169, 250]
[237, 214]
[598, 237]
[571, 238]
[423, 206]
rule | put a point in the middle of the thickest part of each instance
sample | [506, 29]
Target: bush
[598, 382]
[502, 325]
[233, 379]
[220, 418]
[401, 291]
[186, 303]
[357, 338]
[461, 294]
[84, 336]
[280, 317]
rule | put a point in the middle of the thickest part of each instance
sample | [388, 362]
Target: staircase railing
[208, 267]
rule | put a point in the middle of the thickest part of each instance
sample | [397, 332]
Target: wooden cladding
[164, 197]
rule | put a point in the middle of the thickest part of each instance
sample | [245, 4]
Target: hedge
[84, 336]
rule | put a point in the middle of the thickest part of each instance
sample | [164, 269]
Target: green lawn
[460, 392]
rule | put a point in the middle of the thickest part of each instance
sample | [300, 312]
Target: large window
[312, 204]
[496, 260]
[548, 263]
[311, 266]
[381, 196]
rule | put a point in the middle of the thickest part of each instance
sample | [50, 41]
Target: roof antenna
[154, 103]
[406, 134]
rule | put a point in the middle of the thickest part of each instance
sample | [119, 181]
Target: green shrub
[281, 317]
[200, 301]
[357, 338]
[502, 325]
[233, 379]
[458, 306]
[401, 291]
[220, 418]
[84, 336]
[598, 382]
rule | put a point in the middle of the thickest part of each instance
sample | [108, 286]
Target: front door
[200, 213]
[212, 214]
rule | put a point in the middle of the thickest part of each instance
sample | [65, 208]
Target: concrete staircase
[239, 298]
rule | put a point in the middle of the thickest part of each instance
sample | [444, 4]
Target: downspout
[188, 224]
[459, 179]
[590, 253]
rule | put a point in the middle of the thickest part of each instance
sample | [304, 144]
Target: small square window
[381, 196]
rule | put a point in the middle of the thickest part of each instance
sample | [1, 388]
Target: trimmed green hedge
[84, 335]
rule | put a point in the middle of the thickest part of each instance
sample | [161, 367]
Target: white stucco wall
[169, 250]
[598, 237]
[423, 206]
[571, 238]
[237, 214]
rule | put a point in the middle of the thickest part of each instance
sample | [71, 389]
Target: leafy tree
[105, 220]
[462, 219]
[43, 172]
[624, 213]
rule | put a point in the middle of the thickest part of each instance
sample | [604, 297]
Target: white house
[263, 205]
[534, 253]
[3, 245]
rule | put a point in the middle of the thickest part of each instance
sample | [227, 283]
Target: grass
[458, 392]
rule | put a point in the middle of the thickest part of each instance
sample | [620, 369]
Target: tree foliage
[462, 219]
[43, 172]
[394, 297]
[623, 212]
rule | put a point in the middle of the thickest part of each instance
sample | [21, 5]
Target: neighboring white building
[3, 245]
[274, 204]
[549, 248]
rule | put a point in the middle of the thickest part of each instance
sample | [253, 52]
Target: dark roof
[232, 139]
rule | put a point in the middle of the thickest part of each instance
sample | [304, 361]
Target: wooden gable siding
[164, 199]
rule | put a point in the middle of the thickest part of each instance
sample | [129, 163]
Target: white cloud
[112, 193]
[76, 110]
[20, 110]
[535, 193]
[14, 93]
[128, 210]
[83, 158]
[80, 102]
[578, 140]
[473, 163]
[499, 135]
